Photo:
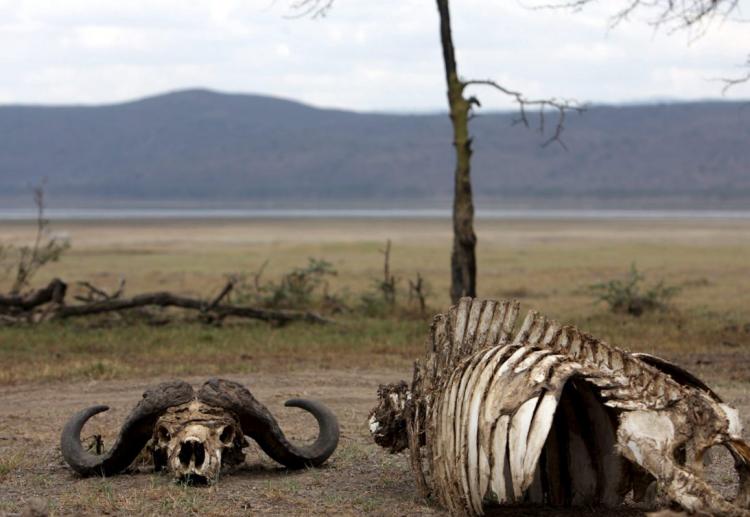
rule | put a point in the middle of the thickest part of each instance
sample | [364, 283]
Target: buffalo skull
[192, 435]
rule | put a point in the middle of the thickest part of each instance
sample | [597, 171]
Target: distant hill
[200, 146]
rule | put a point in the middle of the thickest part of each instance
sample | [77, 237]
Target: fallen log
[167, 299]
[22, 307]
[54, 292]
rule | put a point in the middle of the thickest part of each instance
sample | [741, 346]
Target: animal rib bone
[551, 415]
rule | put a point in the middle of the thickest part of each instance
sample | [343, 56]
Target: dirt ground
[51, 371]
[359, 479]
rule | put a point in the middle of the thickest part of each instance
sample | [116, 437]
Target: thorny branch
[561, 106]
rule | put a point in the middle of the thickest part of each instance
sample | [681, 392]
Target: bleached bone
[193, 434]
[548, 414]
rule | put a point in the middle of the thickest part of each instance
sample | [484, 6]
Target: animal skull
[193, 434]
[550, 415]
[194, 440]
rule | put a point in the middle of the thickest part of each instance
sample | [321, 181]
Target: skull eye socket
[227, 435]
[163, 434]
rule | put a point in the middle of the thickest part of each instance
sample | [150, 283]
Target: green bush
[630, 296]
[295, 290]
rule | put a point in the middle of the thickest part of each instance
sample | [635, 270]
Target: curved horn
[260, 425]
[135, 432]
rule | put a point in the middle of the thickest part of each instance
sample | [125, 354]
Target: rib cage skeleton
[504, 416]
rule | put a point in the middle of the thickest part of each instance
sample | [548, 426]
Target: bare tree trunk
[463, 256]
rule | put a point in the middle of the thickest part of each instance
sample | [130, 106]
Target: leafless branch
[257, 275]
[311, 8]
[559, 106]
[418, 291]
[94, 293]
[46, 248]
[693, 16]
[222, 294]
[730, 82]
[388, 285]
[677, 15]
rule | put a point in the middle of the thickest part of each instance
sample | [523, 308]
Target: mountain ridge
[203, 146]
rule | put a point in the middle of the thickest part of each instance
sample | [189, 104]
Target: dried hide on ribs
[547, 414]
[192, 435]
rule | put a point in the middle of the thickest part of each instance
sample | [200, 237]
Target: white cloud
[381, 55]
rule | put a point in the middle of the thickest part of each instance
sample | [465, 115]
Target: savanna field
[51, 370]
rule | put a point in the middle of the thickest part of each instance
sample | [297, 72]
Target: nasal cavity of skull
[192, 450]
[164, 435]
[227, 436]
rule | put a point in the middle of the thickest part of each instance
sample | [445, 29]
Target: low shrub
[630, 296]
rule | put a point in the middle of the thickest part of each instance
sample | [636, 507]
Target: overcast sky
[374, 55]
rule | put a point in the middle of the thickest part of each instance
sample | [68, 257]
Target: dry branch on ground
[49, 303]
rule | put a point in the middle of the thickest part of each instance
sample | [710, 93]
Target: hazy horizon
[655, 101]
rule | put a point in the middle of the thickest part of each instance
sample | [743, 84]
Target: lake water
[249, 214]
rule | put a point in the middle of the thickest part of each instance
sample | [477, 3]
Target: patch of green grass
[74, 351]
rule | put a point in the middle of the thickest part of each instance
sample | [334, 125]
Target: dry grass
[547, 265]
[52, 370]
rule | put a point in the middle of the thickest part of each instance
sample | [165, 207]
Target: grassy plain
[545, 264]
[49, 371]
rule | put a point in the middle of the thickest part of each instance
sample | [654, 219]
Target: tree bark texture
[463, 255]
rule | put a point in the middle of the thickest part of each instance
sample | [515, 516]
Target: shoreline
[239, 215]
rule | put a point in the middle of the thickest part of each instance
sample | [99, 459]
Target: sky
[368, 56]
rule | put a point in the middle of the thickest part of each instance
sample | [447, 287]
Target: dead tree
[388, 285]
[54, 292]
[48, 303]
[463, 254]
[44, 250]
[418, 292]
